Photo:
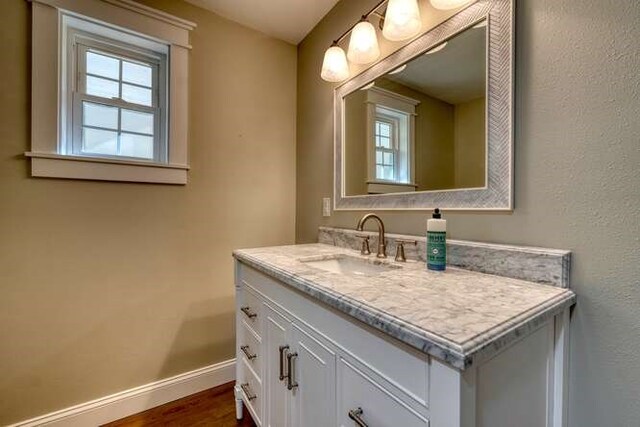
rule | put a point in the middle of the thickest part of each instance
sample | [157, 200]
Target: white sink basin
[345, 264]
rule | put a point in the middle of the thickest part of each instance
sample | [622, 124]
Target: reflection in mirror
[421, 127]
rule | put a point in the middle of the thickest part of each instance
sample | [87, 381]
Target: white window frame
[389, 106]
[127, 29]
[78, 43]
[394, 124]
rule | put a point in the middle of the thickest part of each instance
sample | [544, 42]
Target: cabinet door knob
[356, 416]
[291, 383]
[245, 350]
[282, 349]
[247, 311]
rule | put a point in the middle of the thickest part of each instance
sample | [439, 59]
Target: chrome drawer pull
[355, 415]
[247, 391]
[245, 350]
[291, 384]
[282, 349]
[247, 311]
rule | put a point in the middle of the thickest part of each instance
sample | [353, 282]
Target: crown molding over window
[47, 158]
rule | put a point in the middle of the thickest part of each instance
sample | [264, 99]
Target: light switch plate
[326, 206]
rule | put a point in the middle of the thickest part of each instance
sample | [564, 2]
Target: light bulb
[363, 45]
[481, 24]
[402, 20]
[436, 49]
[448, 4]
[334, 66]
[399, 69]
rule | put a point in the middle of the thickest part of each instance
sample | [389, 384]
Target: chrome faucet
[382, 247]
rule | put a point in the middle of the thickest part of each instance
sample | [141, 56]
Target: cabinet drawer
[357, 391]
[251, 390]
[250, 348]
[250, 310]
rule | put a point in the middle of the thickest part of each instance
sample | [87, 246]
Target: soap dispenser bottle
[436, 242]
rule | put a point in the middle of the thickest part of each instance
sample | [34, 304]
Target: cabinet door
[313, 369]
[277, 332]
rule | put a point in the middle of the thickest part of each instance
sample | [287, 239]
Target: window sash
[394, 146]
[80, 43]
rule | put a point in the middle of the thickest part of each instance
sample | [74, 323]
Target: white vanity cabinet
[301, 363]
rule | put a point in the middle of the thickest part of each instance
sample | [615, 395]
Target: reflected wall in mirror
[421, 126]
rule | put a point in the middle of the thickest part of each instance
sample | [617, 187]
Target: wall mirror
[431, 124]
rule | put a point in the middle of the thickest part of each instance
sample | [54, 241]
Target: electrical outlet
[326, 206]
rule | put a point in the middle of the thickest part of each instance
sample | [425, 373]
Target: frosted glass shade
[402, 20]
[334, 66]
[448, 4]
[363, 45]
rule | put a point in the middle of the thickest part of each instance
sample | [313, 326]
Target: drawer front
[251, 391]
[367, 400]
[250, 348]
[250, 310]
[406, 369]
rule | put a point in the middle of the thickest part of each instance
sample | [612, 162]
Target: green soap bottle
[437, 242]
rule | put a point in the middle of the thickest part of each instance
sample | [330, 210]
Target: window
[115, 97]
[117, 108]
[116, 102]
[391, 121]
[386, 142]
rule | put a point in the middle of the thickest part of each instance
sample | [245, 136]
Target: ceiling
[456, 74]
[288, 20]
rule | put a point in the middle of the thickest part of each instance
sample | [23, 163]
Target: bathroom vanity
[329, 337]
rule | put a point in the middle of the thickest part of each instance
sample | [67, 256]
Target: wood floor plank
[212, 407]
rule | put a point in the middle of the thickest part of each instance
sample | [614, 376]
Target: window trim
[158, 28]
[385, 99]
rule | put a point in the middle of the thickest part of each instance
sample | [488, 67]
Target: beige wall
[107, 286]
[577, 178]
[470, 143]
[355, 143]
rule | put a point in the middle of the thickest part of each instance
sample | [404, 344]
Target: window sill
[52, 165]
[378, 187]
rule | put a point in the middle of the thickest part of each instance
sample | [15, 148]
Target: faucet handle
[400, 257]
[364, 249]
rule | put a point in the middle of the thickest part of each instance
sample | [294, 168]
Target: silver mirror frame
[497, 195]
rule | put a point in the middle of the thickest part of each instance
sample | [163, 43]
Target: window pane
[385, 129]
[99, 115]
[99, 141]
[388, 159]
[136, 95]
[379, 172]
[388, 172]
[385, 142]
[135, 73]
[135, 121]
[103, 65]
[101, 87]
[379, 157]
[136, 146]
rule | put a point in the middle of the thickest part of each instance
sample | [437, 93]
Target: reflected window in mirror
[425, 122]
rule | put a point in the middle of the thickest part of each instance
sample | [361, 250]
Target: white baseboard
[138, 399]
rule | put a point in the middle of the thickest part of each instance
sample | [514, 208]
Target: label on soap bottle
[436, 250]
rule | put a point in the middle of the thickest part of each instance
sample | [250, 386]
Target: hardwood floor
[213, 407]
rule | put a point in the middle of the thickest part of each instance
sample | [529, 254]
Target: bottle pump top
[436, 214]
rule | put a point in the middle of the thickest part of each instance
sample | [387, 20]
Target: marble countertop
[458, 316]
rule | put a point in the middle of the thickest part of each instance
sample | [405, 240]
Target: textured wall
[107, 286]
[577, 157]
